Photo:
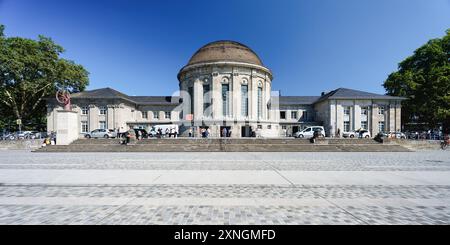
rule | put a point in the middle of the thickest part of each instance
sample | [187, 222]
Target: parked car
[10, 136]
[5, 136]
[414, 135]
[101, 133]
[309, 132]
[22, 135]
[360, 133]
[397, 135]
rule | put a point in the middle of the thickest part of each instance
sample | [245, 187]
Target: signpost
[19, 122]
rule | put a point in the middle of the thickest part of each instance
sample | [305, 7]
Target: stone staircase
[227, 145]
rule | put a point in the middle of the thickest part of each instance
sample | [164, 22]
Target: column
[398, 116]
[391, 116]
[198, 99]
[374, 120]
[357, 116]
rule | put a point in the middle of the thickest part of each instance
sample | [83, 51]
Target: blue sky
[311, 46]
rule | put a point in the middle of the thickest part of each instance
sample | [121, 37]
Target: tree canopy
[31, 70]
[424, 79]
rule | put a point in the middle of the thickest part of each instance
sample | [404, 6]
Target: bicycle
[445, 143]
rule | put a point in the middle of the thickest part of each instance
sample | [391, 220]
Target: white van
[309, 132]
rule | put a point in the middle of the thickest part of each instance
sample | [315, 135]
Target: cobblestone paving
[304, 161]
[228, 191]
[257, 213]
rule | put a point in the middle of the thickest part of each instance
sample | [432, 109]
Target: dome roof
[225, 51]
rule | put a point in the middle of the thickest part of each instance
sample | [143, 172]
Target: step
[225, 148]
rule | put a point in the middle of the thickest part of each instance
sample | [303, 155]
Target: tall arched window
[225, 99]
[259, 102]
[244, 100]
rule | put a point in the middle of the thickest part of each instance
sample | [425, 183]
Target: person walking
[139, 135]
[190, 132]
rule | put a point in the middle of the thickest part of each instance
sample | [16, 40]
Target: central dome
[225, 51]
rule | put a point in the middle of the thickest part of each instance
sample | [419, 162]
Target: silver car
[309, 132]
[397, 135]
[101, 133]
[361, 133]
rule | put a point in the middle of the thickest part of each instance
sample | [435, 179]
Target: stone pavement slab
[225, 188]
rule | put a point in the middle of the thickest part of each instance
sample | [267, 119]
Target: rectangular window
[346, 126]
[269, 126]
[305, 116]
[84, 110]
[84, 127]
[244, 100]
[282, 115]
[259, 126]
[259, 102]
[102, 125]
[293, 114]
[144, 115]
[381, 110]
[283, 127]
[364, 110]
[103, 110]
[206, 100]
[225, 100]
[167, 114]
[156, 115]
[364, 125]
[381, 126]
[347, 110]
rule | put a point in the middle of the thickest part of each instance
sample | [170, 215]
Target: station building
[226, 85]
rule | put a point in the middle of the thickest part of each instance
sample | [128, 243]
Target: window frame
[294, 113]
[85, 110]
[102, 109]
[100, 125]
[381, 110]
[84, 124]
[168, 113]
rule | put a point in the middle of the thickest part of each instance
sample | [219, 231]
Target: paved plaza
[225, 188]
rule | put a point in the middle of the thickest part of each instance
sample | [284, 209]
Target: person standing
[202, 131]
[190, 132]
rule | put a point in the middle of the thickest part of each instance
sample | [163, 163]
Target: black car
[143, 134]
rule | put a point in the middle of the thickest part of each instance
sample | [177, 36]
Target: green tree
[424, 79]
[31, 70]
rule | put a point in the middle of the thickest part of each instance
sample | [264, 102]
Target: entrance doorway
[225, 131]
[295, 129]
[246, 131]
